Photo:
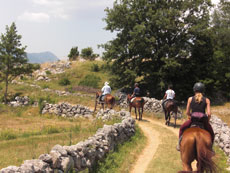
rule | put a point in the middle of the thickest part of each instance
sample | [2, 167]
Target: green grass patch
[221, 160]
[123, 157]
[167, 158]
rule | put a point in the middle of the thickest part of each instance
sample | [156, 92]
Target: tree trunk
[6, 90]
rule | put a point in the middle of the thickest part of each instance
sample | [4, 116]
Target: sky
[58, 25]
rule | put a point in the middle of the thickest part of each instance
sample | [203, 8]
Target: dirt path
[153, 141]
[150, 149]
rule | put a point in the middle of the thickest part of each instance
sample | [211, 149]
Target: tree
[155, 40]
[221, 30]
[74, 53]
[87, 53]
[13, 58]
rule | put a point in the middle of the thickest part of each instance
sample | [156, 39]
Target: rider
[136, 92]
[169, 95]
[105, 90]
[195, 110]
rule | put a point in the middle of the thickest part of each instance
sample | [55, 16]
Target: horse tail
[204, 156]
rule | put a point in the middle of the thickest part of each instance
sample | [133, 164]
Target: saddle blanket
[132, 99]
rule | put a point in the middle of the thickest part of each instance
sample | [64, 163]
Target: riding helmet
[199, 87]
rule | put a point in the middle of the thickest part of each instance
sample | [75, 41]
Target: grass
[223, 112]
[166, 153]
[31, 134]
[122, 159]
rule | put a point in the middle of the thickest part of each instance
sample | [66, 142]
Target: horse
[109, 100]
[137, 103]
[170, 107]
[196, 144]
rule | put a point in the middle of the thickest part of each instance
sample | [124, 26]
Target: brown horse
[137, 103]
[196, 144]
[170, 107]
[109, 100]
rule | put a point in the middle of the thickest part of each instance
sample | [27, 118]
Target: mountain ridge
[42, 57]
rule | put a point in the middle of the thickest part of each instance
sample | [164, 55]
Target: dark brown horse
[170, 107]
[196, 145]
[137, 103]
[109, 100]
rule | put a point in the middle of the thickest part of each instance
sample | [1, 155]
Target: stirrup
[178, 145]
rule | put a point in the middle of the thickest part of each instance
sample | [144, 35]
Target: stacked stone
[152, 105]
[82, 155]
[110, 114]
[222, 135]
[68, 110]
[20, 101]
[53, 68]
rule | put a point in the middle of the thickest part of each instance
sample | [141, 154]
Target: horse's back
[197, 144]
[194, 138]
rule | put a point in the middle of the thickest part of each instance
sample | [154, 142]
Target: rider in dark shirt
[136, 92]
[196, 107]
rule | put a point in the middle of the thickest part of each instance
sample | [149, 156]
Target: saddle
[198, 120]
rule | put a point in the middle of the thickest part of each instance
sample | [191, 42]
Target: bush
[90, 81]
[48, 72]
[64, 81]
[95, 68]
[42, 102]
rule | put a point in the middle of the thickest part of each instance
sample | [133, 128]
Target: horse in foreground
[170, 107]
[196, 144]
[137, 103]
[109, 100]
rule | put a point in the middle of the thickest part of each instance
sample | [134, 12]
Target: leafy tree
[221, 28]
[87, 53]
[156, 41]
[13, 59]
[74, 53]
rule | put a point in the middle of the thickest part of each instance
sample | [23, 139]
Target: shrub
[64, 81]
[90, 81]
[45, 86]
[95, 68]
[48, 72]
[42, 101]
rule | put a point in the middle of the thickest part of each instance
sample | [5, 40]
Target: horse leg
[95, 105]
[169, 118]
[139, 113]
[142, 109]
[175, 116]
[136, 112]
[166, 117]
[102, 105]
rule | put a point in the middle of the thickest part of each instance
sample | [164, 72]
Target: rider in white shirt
[169, 94]
[105, 90]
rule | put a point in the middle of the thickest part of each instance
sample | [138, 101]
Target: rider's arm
[103, 89]
[165, 96]
[208, 108]
[188, 107]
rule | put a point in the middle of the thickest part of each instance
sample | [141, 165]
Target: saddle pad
[132, 99]
[198, 115]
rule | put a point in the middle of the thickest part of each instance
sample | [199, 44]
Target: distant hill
[42, 57]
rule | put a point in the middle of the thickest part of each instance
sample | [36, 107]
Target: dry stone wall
[84, 154]
[68, 110]
[222, 135]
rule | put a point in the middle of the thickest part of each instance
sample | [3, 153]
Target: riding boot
[178, 145]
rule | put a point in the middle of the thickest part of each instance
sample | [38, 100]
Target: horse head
[128, 98]
[98, 93]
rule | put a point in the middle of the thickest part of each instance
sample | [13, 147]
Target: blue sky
[57, 25]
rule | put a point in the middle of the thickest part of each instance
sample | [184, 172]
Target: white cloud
[64, 8]
[34, 17]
